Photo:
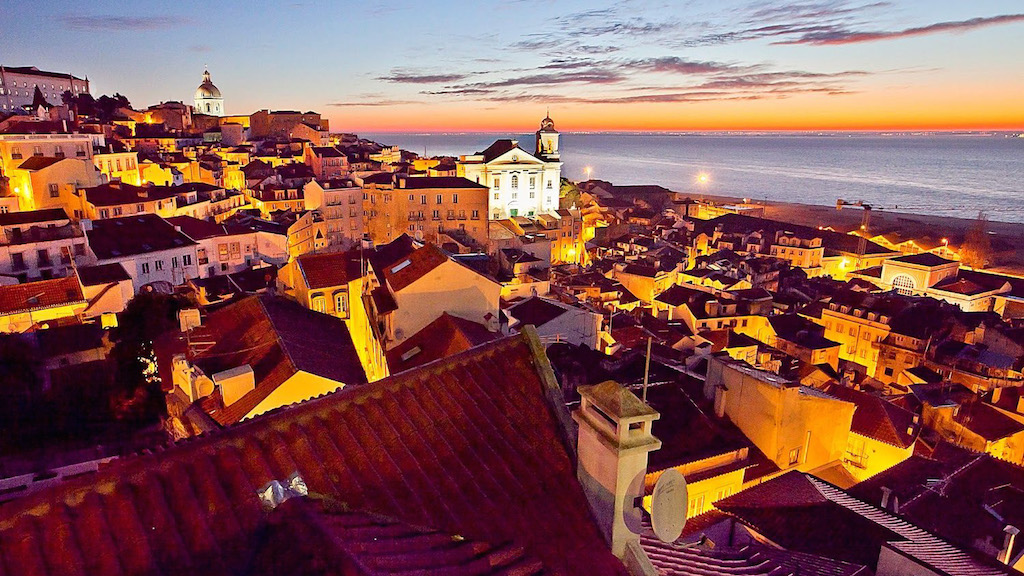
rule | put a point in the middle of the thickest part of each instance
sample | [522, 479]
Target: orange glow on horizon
[898, 111]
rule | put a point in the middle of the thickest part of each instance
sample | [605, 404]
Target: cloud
[400, 77]
[372, 103]
[122, 23]
[842, 36]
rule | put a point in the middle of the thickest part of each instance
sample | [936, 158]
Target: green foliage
[568, 194]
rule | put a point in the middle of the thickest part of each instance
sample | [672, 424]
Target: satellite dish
[668, 506]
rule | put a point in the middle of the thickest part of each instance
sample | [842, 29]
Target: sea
[956, 175]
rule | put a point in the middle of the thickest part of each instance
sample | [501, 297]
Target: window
[888, 371]
[117, 211]
[145, 267]
[54, 190]
[37, 150]
[455, 198]
[140, 208]
[533, 182]
[437, 215]
[515, 181]
[476, 214]
[16, 153]
[341, 304]
[532, 194]
[549, 184]
[497, 183]
[222, 252]
[496, 196]
[695, 506]
[319, 303]
[159, 265]
[794, 456]
[187, 259]
[903, 284]
[44, 258]
[174, 262]
[440, 198]
[80, 150]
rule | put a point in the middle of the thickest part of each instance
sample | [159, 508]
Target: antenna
[647, 369]
[668, 505]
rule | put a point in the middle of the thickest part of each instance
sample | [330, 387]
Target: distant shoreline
[1008, 237]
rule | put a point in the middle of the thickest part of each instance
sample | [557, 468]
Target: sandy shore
[1007, 237]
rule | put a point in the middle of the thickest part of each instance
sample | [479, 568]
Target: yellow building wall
[20, 322]
[300, 387]
[866, 456]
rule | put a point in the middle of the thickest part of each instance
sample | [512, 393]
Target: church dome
[207, 88]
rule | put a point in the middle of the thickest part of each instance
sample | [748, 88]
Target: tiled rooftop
[469, 446]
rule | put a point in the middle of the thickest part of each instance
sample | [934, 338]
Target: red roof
[444, 337]
[417, 265]
[877, 418]
[468, 446]
[42, 294]
[331, 269]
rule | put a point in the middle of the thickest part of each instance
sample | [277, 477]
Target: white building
[18, 86]
[41, 244]
[208, 99]
[151, 249]
[521, 183]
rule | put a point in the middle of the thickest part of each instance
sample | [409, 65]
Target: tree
[568, 194]
[138, 397]
[976, 250]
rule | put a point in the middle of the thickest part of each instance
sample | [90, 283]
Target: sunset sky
[490, 66]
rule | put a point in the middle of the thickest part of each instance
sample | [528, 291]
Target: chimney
[188, 319]
[1011, 535]
[886, 495]
[235, 383]
[613, 445]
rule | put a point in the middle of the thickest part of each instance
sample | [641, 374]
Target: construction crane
[862, 244]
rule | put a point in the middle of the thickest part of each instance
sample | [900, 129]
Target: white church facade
[208, 99]
[521, 183]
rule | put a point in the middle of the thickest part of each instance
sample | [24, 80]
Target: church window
[515, 181]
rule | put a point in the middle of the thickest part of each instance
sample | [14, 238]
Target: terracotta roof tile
[468, 446]
[415, 266]
[42, 294]
[446, 336]
[331, 269]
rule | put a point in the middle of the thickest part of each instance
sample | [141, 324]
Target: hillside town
[250, 344]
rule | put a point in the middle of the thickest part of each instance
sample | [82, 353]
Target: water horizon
[947, 174]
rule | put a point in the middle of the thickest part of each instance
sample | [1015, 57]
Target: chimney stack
[1011, 535]
[613, 445]
[886, 495]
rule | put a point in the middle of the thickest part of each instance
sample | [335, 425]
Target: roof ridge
[277, 334]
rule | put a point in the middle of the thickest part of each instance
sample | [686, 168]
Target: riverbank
[1007, 237]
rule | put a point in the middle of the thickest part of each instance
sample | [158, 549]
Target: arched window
[515, 181]
[903, 284]
[341, 304]
[319, 303]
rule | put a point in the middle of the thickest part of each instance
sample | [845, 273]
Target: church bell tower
[547, 140]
